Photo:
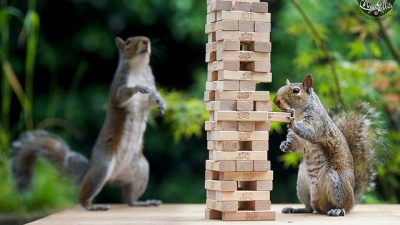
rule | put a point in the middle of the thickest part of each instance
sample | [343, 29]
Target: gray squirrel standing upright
[338, 154]
[117, 156]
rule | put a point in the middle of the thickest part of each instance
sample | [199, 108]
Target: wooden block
[246, 176]
[212, 75]
[211, 17]
[221, 165]
[221, 126]
[262, 126]
[246, 85]
[211, 175]
[238, 155]
[238, 195]
[241, 36]
[217, 185]
[221, 105]
[243, 96]
[263, 106]
[211, 56]
[249, 215]
[259, 146]
[260, 165]
[262, 27]
[242, 6]
[244, 166]
[223, 45]
[224, 65]
[212, 214]
[227, 25]
[244, 76]
[247, 126]
[223, 86]
[225, 206]
[211, 37]
[256, 67]
[209, 96]
[259, 7]
[237, 15]
[244, 106]
[262, 46]
[257, 205]
[242, 56]
[218, 5]
[240, 116]
[256, 185]
[211, 116]
[281, 117]
[246, 26]
[223, 145]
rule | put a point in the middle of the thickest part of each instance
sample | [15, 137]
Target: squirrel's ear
[120, 43]
[287, 82]
[307, 83]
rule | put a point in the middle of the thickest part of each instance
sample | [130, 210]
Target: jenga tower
[238, 175]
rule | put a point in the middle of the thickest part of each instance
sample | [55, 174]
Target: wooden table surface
[194, 214]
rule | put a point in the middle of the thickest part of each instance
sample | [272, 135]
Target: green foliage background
[58, 59]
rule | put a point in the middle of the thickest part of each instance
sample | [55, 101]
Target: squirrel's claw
[162, 106]
[285, 146]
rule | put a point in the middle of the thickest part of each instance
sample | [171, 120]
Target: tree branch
[338, 93]
[392, 47]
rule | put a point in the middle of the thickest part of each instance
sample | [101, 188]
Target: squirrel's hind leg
[289, 210]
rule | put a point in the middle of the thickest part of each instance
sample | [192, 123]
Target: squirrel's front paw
[285, 146]
[162, 106]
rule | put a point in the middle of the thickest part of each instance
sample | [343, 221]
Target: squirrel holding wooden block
[117, 156]
[338, 153]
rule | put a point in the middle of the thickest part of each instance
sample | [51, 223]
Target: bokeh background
[58, 59]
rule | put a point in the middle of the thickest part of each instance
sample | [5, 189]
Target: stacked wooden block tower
[238, 52]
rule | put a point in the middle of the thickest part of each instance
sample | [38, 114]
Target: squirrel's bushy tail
[34, 144]
[364, 137]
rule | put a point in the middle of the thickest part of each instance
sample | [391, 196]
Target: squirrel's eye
[296, 90]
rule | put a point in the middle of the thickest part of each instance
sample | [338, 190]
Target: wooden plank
[246, 176]
[238, 195]
[258, 185]
[260, 46]
[242, 56]
[209, 96]
[221, 105]
[171, 214]
[259, 7]
[217, 185]
[223, 145]
[233, 65]
[262, 27]
[246, 26]
[222, 85]
[221, 126]
[223, 45]
[236, 15]
[246, 85]
[244, 166]
[211, 175]
[243, 96]
[218, 5]
[263, 106]
[237, 136]
[261, 165]
[211, 214]
[244, 76]
[262, 126]
[221, 166]
[257, 205]
[225, 206]
[246, 126]
[242, 36]
[256, 66]
[211, 17]
[242, 6]
[238, 155]
[244, 105]
[259, 145]
[281, 117]
[211, 57]
[240, 116]
[249, 215]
